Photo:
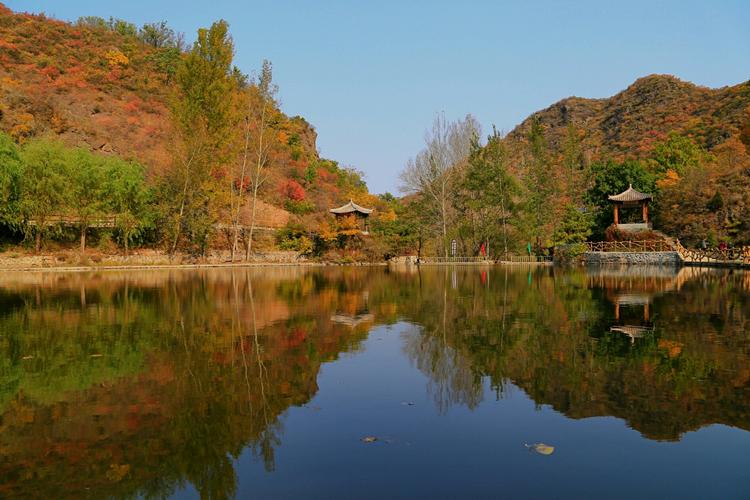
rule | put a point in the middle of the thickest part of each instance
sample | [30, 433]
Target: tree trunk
[505, 226]
[252, 222]
[445, 226]
[83, 239]
[240, 197]
[178, 225]
[38, 240]
[259, 166]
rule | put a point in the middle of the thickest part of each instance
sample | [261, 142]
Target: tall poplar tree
[434, 170]
[259, 120]
[202, 113]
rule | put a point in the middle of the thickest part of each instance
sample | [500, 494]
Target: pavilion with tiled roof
[631, 198]
[353, 214]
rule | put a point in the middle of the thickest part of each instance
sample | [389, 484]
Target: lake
[336, 382]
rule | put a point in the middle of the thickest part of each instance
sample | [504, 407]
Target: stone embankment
[633, 258]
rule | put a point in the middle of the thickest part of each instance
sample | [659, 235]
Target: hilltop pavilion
[353, 215]
[630, 198]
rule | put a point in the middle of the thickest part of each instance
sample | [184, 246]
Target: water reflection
[122, 384]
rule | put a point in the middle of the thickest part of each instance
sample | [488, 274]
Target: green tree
[45, 190]
[490, 189]
[93, 22]
[167, 61]
[541, 186]
[130, 199]
[573, 164]
[88, 189]
[10, 181]
[157, 35]
[122, 27]
[677, 153]
[202, 113]
[575, 226]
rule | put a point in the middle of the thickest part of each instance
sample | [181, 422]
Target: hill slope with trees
[546, 182]
[115, 89]
[633, 121]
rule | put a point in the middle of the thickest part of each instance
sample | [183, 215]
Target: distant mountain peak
[652, 106]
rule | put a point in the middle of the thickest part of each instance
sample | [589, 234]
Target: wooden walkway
[739, 256]
[455, 260]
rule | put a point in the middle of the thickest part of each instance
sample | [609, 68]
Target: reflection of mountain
[122, 384]
[116, 385]
[549, 333]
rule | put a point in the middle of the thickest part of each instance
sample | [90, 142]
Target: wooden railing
[737, 255]
[453, 260]
[525, 258]
[72, 220]
[630, 246]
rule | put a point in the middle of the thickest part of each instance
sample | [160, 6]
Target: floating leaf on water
[95, 355]
[541, 448]
[407, 403]
[369, 439]
[27, 357]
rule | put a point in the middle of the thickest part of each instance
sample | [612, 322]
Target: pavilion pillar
[617, 213]
[645, 212]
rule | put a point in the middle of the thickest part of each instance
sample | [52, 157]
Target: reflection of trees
[186, 372]
[548, 333]
[452, 379]
[137, 384]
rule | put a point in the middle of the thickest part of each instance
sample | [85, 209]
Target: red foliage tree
[292, 190]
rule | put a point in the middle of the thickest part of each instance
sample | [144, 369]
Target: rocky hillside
[105, 89]
[630, 122]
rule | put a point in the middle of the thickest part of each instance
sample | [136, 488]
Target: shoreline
[146, 267]
[71, 261]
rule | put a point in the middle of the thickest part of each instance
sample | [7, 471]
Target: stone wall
[633, 258]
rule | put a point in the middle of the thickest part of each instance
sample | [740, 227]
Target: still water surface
[262, 383]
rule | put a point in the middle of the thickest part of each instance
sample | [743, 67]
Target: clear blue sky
[370, 75]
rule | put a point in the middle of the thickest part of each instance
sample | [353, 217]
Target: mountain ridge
[629, 122]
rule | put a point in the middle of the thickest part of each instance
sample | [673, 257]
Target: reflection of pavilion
[636, 287]
[652, 280]
[352, 320]
[357, 311]
[633, 299]
[634, 292]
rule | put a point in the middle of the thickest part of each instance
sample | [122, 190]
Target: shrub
[299, 207]
[115, 58]
[293, 237]
[292, 190]
[614, 234]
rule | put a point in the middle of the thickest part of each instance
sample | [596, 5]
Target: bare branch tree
[267, 91]
[432, 171]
